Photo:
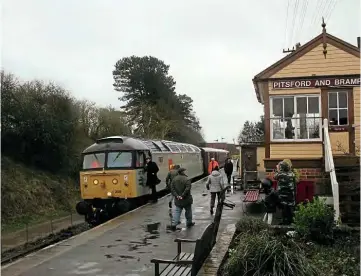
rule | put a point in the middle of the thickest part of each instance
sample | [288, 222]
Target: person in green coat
[181, 190]
[171, 174]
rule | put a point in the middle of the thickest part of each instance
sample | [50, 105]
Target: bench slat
[171, 269]
[170, 266]
[251, 196]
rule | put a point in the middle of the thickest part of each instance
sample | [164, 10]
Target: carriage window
[94, 161]
[140, 159]
[119, 159]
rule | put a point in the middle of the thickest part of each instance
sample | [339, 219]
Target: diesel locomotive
[112, 178]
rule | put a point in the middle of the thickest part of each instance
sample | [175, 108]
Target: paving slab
[124, 246]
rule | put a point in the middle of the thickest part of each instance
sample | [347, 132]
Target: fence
[33, 232]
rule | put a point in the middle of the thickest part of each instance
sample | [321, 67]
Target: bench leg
[156, 269]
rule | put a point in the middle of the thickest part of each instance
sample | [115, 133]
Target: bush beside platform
[315, 247]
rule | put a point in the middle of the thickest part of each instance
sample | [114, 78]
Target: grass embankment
[30, 196]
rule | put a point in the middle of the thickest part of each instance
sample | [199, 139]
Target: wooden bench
[251, 196]
[187, 263]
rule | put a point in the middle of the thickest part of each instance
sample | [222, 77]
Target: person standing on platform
[212, 164]
[215, 185]
[228, 169]
[181, 190]
[286, 190]
[152, 179]
[171, 174]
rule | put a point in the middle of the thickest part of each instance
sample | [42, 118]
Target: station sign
[321, 82]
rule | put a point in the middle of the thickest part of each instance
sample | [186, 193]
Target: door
[249, 160]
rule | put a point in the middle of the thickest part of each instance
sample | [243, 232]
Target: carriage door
[249, 162]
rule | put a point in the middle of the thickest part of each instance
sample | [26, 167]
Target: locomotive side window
[119, 159]
[140, 159]
[94, 161]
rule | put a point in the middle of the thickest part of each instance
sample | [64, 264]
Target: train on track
[113, 179]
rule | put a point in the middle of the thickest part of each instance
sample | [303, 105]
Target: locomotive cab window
[119, 159]
[94, 161]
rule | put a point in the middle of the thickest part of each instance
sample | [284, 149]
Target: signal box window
[94, 161]
[119, 159]
[295, 118]
[338, 108]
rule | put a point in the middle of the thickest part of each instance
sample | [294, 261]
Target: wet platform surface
[125, 245]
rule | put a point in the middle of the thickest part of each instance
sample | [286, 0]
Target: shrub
[263, 254]
[332, 261]
[251, 225]
[315, 221]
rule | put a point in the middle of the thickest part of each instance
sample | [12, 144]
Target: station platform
[125, 245]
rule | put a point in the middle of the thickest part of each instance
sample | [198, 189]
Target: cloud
[214, 48]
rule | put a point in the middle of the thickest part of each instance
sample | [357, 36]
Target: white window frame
[337, 108]
[295, 112]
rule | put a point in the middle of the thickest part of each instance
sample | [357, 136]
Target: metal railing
[330, 168]
[32, 232]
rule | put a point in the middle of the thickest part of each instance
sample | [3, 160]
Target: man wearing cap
[181, 190]
[152, 179]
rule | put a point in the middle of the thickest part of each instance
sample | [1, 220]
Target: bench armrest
[180, 241]
[185, 240]
[178, 262]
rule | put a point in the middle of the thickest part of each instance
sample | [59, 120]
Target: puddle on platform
[153, 228]
[110, 256]
[126, 257]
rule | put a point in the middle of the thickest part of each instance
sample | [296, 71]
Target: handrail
[330, 167]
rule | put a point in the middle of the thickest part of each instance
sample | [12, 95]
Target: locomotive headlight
[115, 181]
[96, 182]
[109, 194]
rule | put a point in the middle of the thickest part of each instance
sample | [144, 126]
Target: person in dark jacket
[152, 179]
[181, 190]
[171, 174]
[271, 200]
[228, 169]
[286, 190]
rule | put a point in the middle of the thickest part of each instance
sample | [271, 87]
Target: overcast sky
[214, 48]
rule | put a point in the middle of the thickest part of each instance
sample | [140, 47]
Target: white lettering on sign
[284, 84]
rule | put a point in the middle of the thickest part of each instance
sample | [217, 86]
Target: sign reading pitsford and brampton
[310, 83]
